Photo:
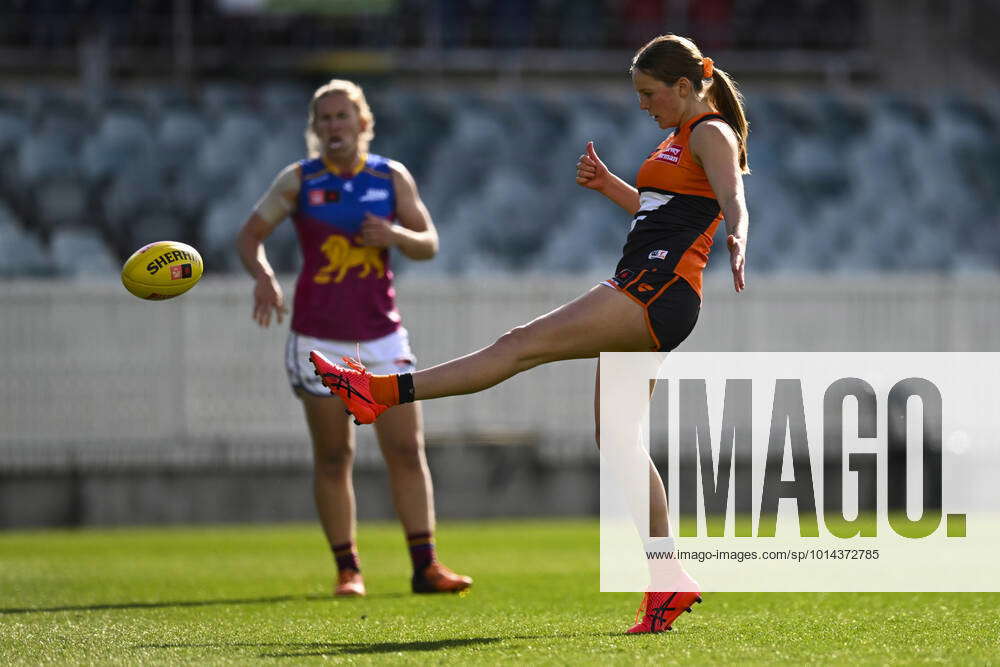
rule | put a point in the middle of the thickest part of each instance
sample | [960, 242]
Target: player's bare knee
[522, 346]
[404, 456]
[334, 462]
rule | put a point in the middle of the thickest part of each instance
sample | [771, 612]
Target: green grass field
[242, 594]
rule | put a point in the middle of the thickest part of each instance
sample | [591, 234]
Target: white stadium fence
[89, 366]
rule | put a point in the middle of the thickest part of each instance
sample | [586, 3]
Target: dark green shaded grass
[241, 594]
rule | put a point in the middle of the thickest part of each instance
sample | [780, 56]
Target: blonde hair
[670, 57]
[355, 95]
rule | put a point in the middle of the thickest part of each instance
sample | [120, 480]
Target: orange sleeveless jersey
[678, 212]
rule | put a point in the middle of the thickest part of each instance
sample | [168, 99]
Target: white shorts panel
[389, 355]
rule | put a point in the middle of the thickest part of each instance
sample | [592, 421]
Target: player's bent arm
[622, 194]
[276, 205]
[416, 237]
[250, 245]
[715, 146]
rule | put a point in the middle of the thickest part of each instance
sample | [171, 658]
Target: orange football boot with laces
[351, 384]
[349, 584]
[660, 610]
[436, 578]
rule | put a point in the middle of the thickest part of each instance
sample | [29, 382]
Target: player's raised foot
[659, 610]
[349, 584]
[351, 384]
[436, 578]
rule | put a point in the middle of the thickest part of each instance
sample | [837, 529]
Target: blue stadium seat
[281, 101]
[410, 128]
[62, 119]
[512, 219]
[21, 253]
[63, 201]
[41, 155]
[586, 238]
[462, 160]
[180, 134]
[161, 98]
[240, 131]
[968, 133]
[222, 159]
[131, 193]
[190, 193]
[122, 139]
[219, 99]
[157, 225]
[278, 150]
[839, 183]
[82, 253]
[220, 225]
[49, 182]
[14, 125]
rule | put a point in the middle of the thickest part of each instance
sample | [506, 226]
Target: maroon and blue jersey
[344, 291]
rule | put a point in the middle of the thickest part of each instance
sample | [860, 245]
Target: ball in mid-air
[162, 270]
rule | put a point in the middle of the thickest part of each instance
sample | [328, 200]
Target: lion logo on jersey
[343, 256]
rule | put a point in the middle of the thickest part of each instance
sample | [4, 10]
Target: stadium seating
[841, 183]
[180, 133]
[81, 253]
[132, 194]
[13, 124]
[23, 253]
[122, 139]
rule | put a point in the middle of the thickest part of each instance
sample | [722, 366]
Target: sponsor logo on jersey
[180, 272]
[375, 194]
[671, 154]
[342, 256]
[658, 254]
[319, 196]
[645, 287]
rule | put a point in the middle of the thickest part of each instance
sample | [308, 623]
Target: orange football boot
[660, 610]
[436, 578]
[351, 384]
[349, 584]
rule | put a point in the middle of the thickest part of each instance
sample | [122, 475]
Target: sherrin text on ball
[162, 270]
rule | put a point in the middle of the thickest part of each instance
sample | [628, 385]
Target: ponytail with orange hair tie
[706, 68]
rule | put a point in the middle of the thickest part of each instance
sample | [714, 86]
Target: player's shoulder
[378, 162]
[289, 178]
[308, 167]
[378, 165]
[713, 129]
[293, 168]
[394, 168]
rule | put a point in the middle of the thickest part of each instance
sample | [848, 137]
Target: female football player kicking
[687, 186]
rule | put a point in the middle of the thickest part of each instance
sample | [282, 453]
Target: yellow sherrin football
[162, 270]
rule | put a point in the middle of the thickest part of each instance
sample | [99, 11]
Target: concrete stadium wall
[114, 410]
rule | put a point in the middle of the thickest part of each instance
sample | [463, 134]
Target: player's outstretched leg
[351, 384]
